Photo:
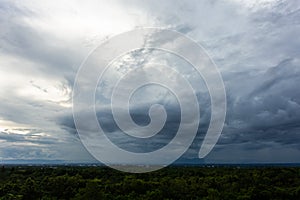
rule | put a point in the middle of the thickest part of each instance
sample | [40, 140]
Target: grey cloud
[270, 111]
[51, 56]
[141, 117]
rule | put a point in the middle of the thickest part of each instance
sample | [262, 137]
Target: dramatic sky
[254, 43]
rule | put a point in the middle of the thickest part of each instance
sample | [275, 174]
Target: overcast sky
[255, 44]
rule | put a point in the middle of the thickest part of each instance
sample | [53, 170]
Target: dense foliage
[169, 183]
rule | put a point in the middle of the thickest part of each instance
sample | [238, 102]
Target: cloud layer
[255, 44]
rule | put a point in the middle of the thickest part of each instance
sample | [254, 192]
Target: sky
[254, 44]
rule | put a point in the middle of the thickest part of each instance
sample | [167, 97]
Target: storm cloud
[255, 45]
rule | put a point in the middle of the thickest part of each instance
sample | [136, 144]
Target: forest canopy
[169, 183]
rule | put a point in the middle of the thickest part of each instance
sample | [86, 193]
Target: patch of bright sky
[77, 19]
[256, 4]
[7, 126]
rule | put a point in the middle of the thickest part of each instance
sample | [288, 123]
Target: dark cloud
[269, 112]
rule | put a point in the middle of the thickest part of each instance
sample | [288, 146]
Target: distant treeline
[169, 183]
